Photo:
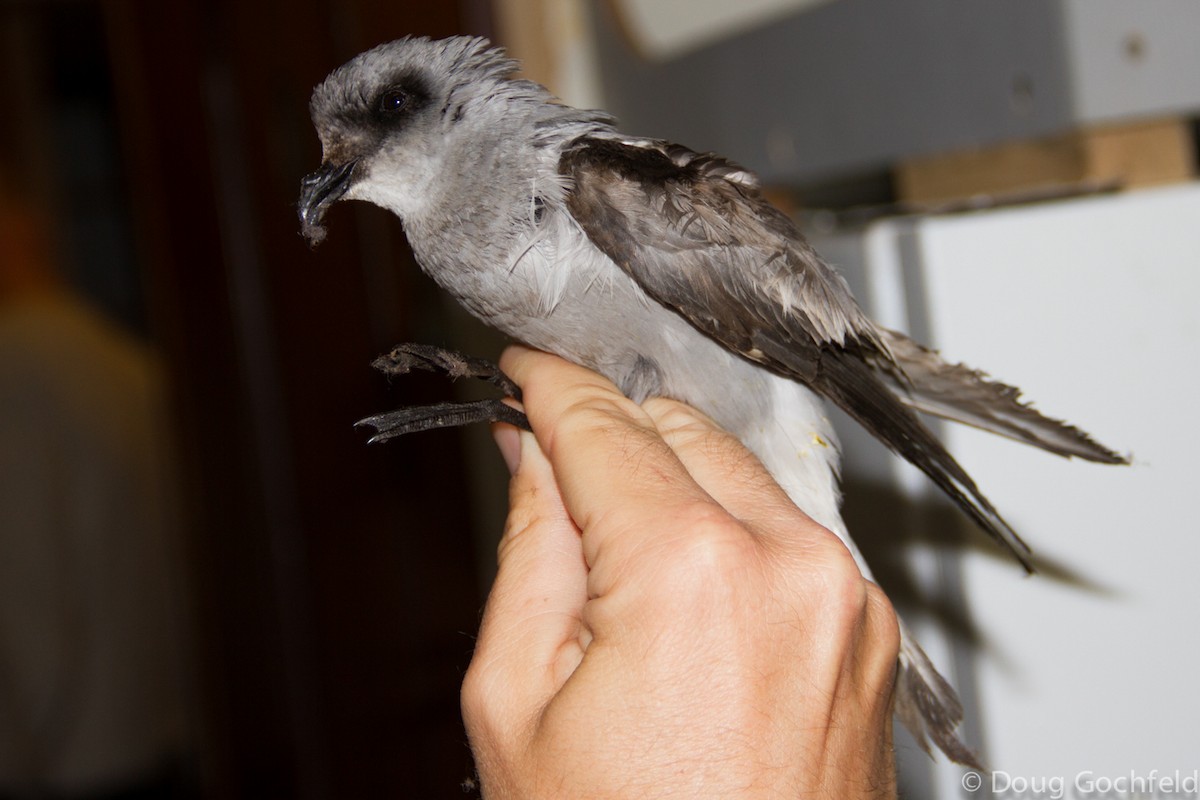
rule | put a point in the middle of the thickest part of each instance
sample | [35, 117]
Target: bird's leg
[391, 424]
[404, 358]
[407, 357]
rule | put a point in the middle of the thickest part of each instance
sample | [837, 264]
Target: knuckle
[711, 549]
[849, 598]
[685, 427]
[483, 697]
[882, 621]
[674, 416]
[475, 690]
[843, 590]
[593, 412]
[472, 689]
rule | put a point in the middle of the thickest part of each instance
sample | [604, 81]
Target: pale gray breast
[535, 276]
[574, 301]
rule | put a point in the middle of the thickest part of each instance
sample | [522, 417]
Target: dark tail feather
[961, 394]
[928, 706]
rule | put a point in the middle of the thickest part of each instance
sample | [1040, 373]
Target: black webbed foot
[391, 424]
[407, 357]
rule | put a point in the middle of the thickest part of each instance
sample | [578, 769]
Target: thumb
[529, 640]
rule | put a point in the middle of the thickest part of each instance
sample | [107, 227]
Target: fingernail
[508, 440]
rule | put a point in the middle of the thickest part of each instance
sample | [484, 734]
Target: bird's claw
[405, 358]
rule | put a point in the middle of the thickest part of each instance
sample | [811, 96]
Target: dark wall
[334, 584]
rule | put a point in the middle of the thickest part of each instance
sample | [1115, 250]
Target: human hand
[665, 622]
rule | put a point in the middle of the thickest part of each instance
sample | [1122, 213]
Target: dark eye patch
[399, 98]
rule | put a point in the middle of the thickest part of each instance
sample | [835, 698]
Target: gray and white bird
[665, 270]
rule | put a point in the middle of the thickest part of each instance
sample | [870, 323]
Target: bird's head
[384, 119]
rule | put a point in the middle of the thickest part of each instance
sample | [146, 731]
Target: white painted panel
[666, 29]
[1092, 307]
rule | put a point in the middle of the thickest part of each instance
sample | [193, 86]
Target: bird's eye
[393, 101]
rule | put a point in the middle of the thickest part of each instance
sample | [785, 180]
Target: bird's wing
[959, 393]
[696, 234]
[680, 222]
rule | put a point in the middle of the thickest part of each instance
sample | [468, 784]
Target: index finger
[620, 482]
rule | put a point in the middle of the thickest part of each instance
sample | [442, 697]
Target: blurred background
[211, 587]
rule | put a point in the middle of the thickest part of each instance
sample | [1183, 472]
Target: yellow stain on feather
[817, 440]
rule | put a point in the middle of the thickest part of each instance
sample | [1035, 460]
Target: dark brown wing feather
[716, 252]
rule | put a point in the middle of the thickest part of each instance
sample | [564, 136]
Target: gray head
[388, 119]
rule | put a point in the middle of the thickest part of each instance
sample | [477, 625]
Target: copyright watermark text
[1086, 785]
